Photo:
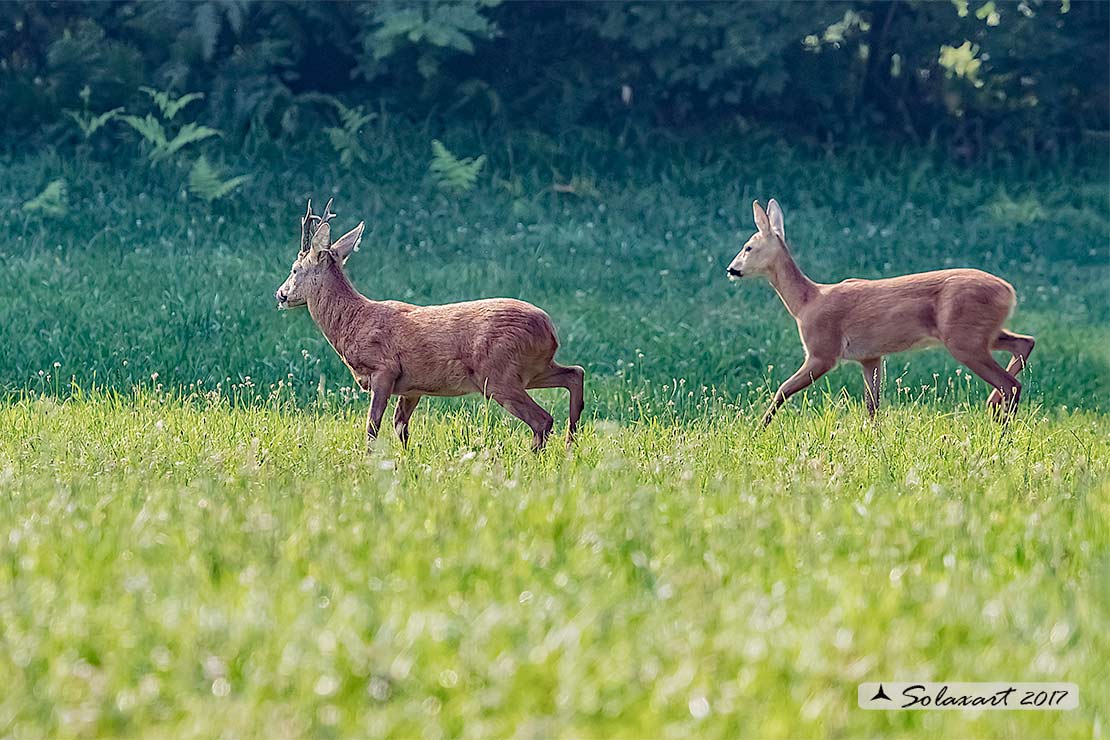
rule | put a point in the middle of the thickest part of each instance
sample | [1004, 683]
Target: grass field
[194, 541]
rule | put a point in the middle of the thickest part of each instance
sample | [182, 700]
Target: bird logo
[880, 694]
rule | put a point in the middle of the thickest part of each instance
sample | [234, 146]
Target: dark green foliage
[729, 53]
[429, 31]
[979, 75]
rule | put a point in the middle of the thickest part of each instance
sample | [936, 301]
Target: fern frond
[348, 146]
[188, 134]
[149, 128]
[354, 118]
[155, 135]
[454, 173]
[169, 105]
[52, 201]
[206, 182]
[90, 124]
[346, 138]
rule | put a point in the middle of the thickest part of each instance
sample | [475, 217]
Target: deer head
[317, 254]
[765, 247]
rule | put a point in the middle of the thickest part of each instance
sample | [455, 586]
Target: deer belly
[442, 379]
[869, 345]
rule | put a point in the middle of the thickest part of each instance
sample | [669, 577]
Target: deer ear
[348, 243]
[761, 221]
[321, 238]
[774, 213]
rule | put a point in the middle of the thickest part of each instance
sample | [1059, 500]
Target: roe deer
[498, 347]
[862, 320]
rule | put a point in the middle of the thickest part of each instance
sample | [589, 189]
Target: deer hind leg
[812, 369]
[983, 364]
[401, 415]
[571, 378]
[518, 403]
[1018, 345]
[873, 379]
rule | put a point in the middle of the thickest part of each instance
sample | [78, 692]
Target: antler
[328, 215]
[311, 223]
[308, 226]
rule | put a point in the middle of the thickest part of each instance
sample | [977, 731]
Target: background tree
[1018, 74]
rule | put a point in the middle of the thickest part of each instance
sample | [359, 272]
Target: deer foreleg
[1018, 345]
[381, 387]
[812, 369]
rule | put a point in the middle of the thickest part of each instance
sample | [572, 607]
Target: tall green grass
[191, 567]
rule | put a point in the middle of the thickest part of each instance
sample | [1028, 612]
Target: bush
[1032, 73]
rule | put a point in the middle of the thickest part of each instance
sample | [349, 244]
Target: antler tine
[317, 222]
[307, 227]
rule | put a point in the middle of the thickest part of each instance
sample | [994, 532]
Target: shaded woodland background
[974, 76]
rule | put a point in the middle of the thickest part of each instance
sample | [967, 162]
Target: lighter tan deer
[498, 347]
[863, 320]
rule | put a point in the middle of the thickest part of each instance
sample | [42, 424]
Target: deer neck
[793, 286]
[334, 306]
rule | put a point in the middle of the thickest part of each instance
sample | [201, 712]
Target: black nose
[735, 272]
[280, 297]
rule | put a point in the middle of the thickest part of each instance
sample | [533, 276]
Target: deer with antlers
[499, 347]
[863, 320]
